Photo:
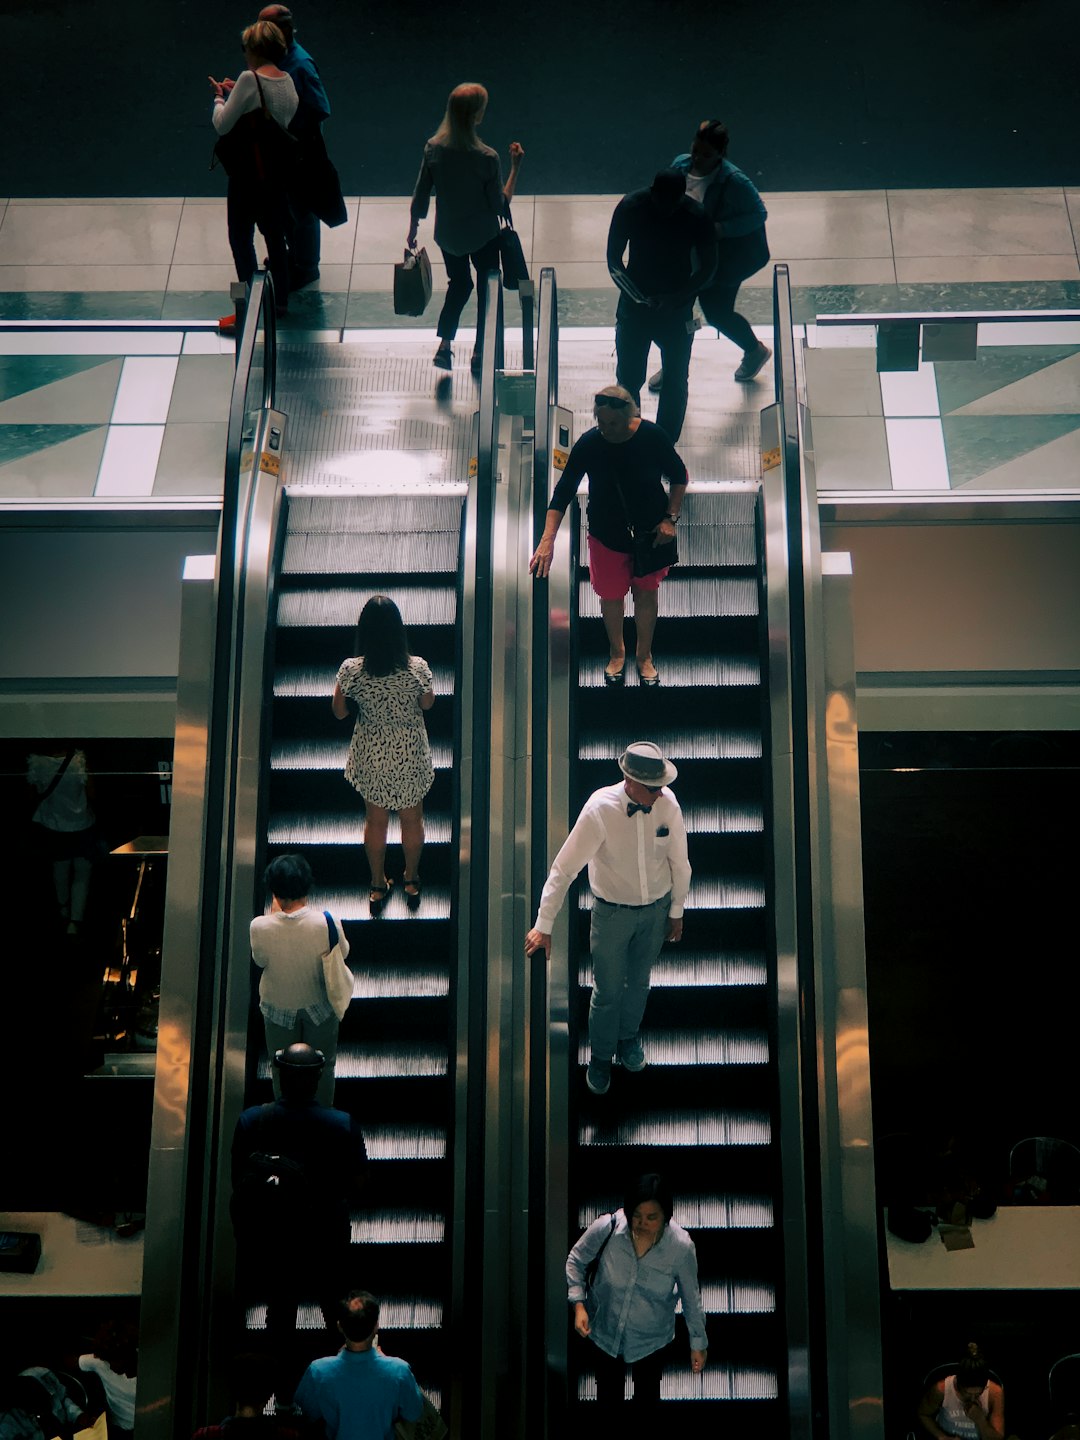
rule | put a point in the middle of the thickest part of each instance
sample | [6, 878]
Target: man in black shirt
[298, 1167]
[673, 254]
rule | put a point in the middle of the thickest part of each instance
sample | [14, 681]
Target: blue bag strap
[332, 928]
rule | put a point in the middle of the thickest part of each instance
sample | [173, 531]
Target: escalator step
[389, 1060]
[316, 682]
[701, 1212]
[680, 671]
[720, 819]
[735, 1297]
[400, 982]
[678, 744]
[715, 1382]
[307, 754]
[405, 1142]
[419, 605]
[298, 828]
[407, 1313]
[684, 1128]
[747, 892]
[695, 597]
[350, 553]
[700, 544]
[698, 1047]
[689, 969]
[397, 1227]
[399, 514]
[352, 905]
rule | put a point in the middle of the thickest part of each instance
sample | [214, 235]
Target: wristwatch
[673, 518]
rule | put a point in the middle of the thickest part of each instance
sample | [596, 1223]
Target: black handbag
[412, 283]
[259, 147]
[647, 556]
[511, 255]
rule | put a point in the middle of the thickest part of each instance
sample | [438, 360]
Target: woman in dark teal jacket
[734, 206]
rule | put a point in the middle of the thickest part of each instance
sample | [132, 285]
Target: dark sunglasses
[613, 402]
[653, 789]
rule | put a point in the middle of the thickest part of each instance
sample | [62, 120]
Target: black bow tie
[632, 809]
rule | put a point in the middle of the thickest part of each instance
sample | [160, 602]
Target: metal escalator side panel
[781, 891]
[264, 534]
[164, 1366]
[847, 1126]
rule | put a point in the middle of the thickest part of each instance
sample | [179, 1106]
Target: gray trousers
[323, 1037]
[624, 944]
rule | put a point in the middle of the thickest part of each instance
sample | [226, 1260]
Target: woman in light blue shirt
[645, 1263]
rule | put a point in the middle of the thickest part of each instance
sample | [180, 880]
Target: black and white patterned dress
[389, 758]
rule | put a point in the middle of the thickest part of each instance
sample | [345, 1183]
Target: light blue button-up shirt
[632, 1303]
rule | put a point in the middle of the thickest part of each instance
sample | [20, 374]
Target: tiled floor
[143, 414]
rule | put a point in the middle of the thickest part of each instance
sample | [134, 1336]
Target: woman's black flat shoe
[649, 680]
[378, 896]
[414, 896]
[614, 677]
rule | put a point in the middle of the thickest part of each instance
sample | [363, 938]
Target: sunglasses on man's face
[613, 402]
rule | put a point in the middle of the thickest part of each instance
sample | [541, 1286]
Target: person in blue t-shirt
[359, 1393]
[731, 201]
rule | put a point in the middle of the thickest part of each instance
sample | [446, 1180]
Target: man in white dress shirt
[632, 837]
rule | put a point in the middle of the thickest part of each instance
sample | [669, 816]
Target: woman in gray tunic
[469, 198]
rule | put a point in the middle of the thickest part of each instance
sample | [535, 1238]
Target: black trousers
[640, 1418]
[636, 328]
[718, 306]
[250, 203]
[459, 274]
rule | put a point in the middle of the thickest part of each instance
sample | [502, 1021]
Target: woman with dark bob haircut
[288, 945]
[389, 759]
[645, 1263]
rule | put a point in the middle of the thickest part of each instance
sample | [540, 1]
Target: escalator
[702, 1112]
[464, 1065]
[393, 1073]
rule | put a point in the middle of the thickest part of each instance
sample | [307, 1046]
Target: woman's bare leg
[376, 820]
[412, 842]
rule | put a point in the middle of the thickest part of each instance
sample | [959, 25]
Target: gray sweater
[468, 196]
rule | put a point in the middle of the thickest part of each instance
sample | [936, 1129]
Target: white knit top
[279, 94]
[288, 947]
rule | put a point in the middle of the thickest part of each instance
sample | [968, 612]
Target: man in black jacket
[672, 257]
[297, 1169]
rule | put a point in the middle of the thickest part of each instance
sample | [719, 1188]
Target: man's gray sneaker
[656, 382]
[598, 1076]
[632, 1054]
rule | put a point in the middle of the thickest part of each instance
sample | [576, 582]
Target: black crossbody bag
[647, 556]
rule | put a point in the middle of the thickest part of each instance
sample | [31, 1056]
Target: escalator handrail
[842, 1228]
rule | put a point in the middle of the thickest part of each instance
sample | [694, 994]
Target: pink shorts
[612, 572]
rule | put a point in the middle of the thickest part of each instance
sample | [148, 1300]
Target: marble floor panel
[1008, 417]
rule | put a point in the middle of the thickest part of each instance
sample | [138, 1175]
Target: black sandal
[378, 896]
[412, 901]
[615, 677]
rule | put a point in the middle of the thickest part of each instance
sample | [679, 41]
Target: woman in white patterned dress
[389, 760]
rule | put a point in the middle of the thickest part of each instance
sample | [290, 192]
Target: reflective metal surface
[261, 509]
[843, 1013]
[829, 924]
[783, 888]
[159, 1322]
